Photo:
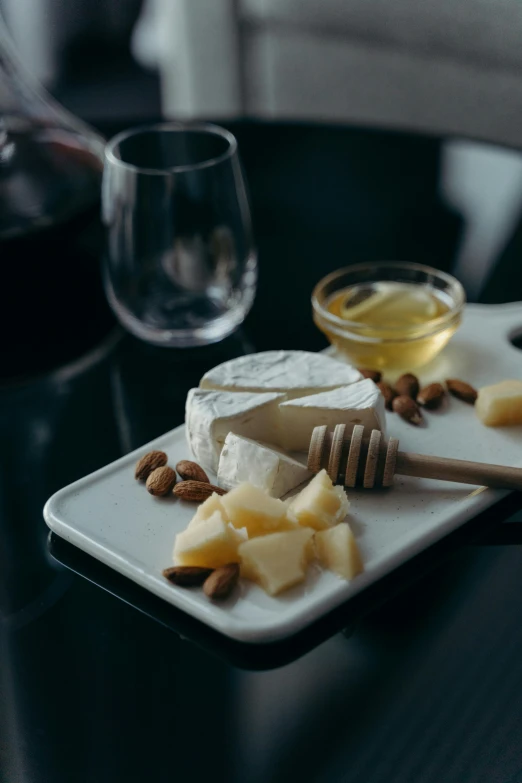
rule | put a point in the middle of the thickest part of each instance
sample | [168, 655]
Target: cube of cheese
[210, 544]
[276, 561]
[500, 404]
[320, 505]
[248, 506]
[337, 550]
[206, 509]
[359, 403]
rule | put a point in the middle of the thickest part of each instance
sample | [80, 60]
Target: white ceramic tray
[112, 517]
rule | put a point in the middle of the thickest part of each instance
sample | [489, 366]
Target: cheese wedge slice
[206, 509]
[358, 403]
[272, 470]
[295, 373]
[249, 507]
[276, 561]
[320, 504]
[211, 544]
[337, 550]
[211, 415]
[500, 404]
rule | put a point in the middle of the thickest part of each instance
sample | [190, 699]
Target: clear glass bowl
[386, 345]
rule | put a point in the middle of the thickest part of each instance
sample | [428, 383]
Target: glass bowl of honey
[388, 315]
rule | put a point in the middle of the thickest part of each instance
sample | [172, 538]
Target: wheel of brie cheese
[274, 399]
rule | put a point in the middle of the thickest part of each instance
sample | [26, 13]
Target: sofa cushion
[488, 32]
[296, 76]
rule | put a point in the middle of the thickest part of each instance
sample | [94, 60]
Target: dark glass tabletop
[417, 681]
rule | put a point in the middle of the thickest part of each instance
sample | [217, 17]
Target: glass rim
[202, 127]
[434, 325]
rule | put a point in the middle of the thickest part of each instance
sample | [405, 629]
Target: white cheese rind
[211, 415]
[358, 403]
[243, 459]
[296, 373]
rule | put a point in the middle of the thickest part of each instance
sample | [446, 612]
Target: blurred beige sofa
[442, 66]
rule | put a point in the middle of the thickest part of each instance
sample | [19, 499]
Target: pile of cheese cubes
[273, 540]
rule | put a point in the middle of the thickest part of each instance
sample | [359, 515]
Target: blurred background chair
[441, 66]
[448, 67]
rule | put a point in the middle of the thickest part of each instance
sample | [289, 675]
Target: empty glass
[180, 265]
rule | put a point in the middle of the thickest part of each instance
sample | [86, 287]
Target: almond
[373, 375]
[221, 582]
[148, 463]
[191, 471]
[388, 392]
[408, 385]
[407, 409]
[187, 576]
[161, 480]
[197, 491]
[462, 390]
[431, 396]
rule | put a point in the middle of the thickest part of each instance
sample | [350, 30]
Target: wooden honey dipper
[354, 461]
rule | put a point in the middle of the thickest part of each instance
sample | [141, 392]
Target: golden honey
[388, 324]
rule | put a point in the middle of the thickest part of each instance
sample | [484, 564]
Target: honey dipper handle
[482, 474]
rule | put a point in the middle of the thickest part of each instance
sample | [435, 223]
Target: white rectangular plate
[113, 518]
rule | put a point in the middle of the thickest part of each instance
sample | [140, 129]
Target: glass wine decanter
[52, 306]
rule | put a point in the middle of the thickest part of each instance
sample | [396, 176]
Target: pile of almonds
[161, 480]
[407, 398]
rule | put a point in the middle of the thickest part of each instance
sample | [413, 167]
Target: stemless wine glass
[180, 266]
